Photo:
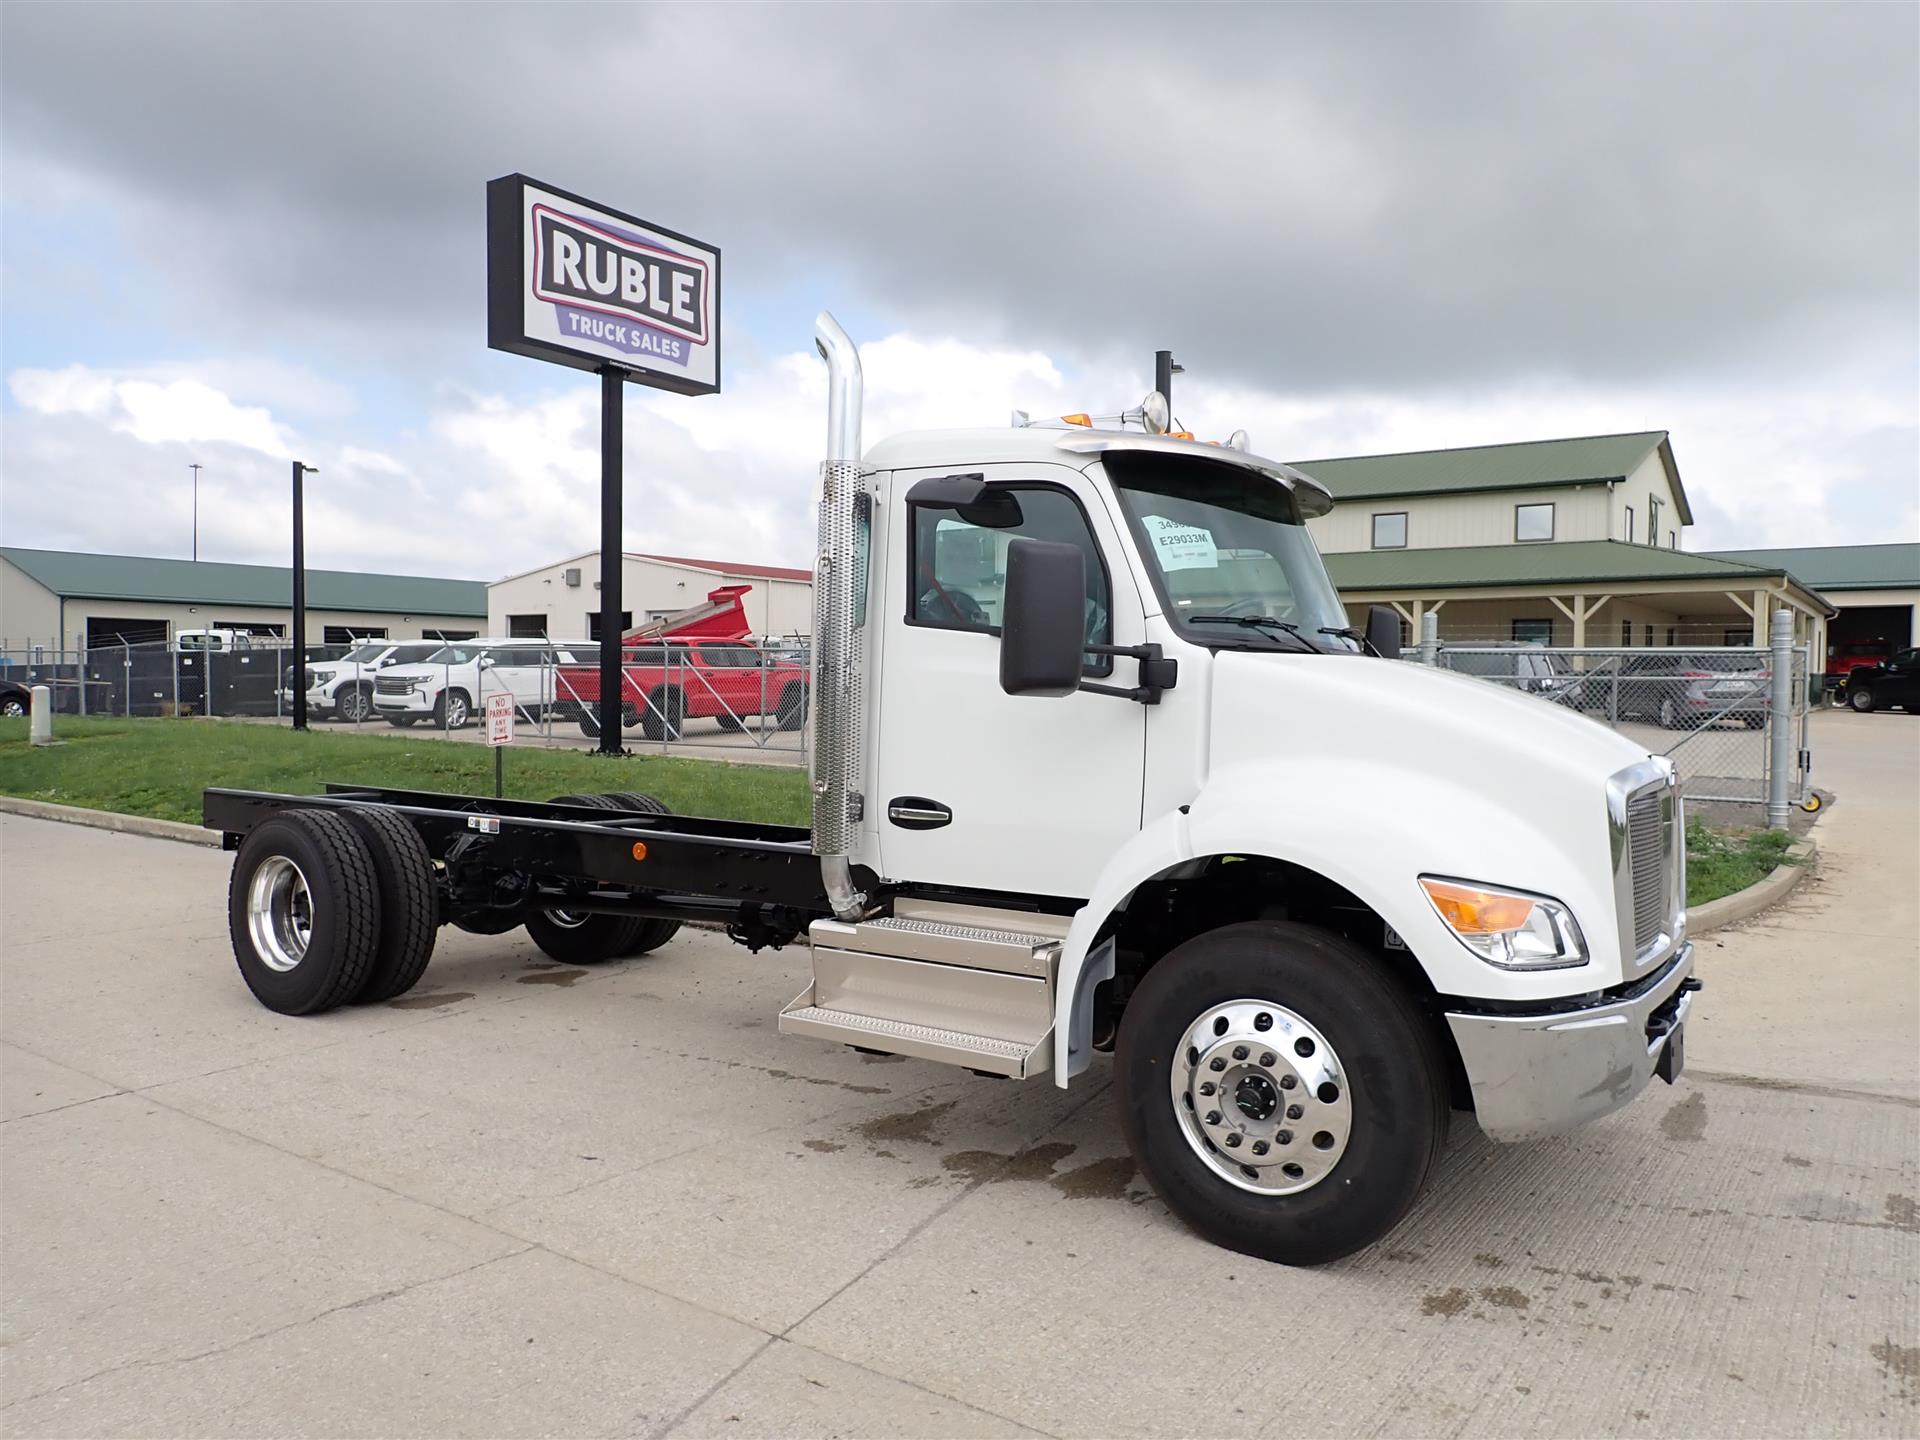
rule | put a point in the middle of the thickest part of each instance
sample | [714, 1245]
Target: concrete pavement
[533, 1199]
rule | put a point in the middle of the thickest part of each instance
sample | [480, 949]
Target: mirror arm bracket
[1157, 673]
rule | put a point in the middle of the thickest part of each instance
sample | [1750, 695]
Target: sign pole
[613, 401]
[299, 601]
[499, 755]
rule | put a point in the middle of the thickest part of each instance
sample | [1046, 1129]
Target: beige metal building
[562, 600]
[68, 600]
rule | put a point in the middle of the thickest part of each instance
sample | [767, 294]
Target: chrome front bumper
[1537, 1075]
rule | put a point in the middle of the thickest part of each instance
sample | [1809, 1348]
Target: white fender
[1372, 834]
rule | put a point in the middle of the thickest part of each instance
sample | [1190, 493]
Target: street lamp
[196, 509]
[300, 594]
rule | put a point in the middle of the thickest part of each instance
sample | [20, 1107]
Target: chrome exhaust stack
[838, 579]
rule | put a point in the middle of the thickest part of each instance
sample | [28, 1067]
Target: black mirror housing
[1383, 631]
[1043, 619]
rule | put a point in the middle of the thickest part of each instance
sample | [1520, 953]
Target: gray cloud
[1308, 199]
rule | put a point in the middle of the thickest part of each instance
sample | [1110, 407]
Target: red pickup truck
[695, 665]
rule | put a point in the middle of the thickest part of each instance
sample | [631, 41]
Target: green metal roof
[1840, 567]
[75, 574]
[1571, 562]
[1523, 465]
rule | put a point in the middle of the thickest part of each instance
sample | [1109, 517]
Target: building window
[1390, 530]
[1653, 520]
[1673, 635]
[593, 624]
[1670, 541]
[1736, 637]
[1626, 633]
[1648, 631]
[1533, 632]
[527, 627]
[1533, 522]
[1629, 524]
[351, 634]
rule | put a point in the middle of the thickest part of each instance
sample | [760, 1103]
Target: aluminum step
[924, 1042]
[944, 942]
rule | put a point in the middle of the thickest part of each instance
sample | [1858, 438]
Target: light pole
[196, 509]
[1164, 370]
[300, 595]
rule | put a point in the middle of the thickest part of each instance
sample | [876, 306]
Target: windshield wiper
[1265, 623]
[1348, 632]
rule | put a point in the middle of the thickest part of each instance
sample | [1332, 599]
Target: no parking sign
[499, 719]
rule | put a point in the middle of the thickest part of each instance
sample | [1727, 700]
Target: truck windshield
[453, 655]
[1227, 544]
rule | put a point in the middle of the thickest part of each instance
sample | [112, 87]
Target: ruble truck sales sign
[578, 284]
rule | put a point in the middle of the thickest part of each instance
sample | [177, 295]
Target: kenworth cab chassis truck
[1099, 766]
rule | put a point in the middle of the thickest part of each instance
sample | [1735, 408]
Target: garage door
[104, 630]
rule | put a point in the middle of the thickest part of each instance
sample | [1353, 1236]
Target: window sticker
[1179, 546]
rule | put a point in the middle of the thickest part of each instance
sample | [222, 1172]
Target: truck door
[974, 787]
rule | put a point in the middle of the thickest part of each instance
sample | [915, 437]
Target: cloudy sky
[243, 234]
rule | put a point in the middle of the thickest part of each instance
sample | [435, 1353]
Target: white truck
[343, 688]
[1099, 766]
[451, 686]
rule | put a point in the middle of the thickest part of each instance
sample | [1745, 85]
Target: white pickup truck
[1098, 766]
[343, 688]
[451, 685]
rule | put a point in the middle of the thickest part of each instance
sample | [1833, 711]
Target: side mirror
[1383, 631]
[1043, 618]
[486, 662]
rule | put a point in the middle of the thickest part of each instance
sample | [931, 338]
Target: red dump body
[696, 664]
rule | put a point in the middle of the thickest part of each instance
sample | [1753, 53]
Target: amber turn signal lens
[639, 849]
[1471, 911]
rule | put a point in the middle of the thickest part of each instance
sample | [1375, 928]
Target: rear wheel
[409, 902]
[793, 707]
[583, 937]
[665, 715]
[452, 711]
[1280, 1092]
[729, 722]
[652, 933]
[303, 912]
[12, 705]
[1860, 698]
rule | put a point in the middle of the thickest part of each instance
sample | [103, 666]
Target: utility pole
[196, 509]
[300, 595]
[1163, 372]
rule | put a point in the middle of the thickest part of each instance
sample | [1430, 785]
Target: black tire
[730, 723]
[586, 939]
[793, 707]
[452, 710]
[665, 715]
[653, 933]
[13, 707]
[1860, 699]
[590, 718]
[409, 902]
[1389, 1059]
[341, 909]
[355, 705]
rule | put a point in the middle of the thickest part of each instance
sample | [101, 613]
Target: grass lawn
[1720, 862]
[159, 767]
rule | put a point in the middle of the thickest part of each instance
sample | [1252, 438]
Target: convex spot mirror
[971, 498]
[1043, 618]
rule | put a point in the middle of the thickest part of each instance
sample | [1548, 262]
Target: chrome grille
[1647, 839]
[384, 686]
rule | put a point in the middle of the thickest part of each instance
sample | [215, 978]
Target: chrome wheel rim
[567, 919]
[279, 913]
[1261, 1097]
[456, 711]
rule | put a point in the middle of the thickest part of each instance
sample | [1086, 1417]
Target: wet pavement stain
[866, 1059]
[562, 978]
[429, 1002]
[1506, 1297]
[908, 1125]
[1446, 1303]
[1102, 1180]
[1798, 1161]
[1488, 1262]
[825, 1147]
[1687, 1120]
[1903, 1213]
[991, 1167]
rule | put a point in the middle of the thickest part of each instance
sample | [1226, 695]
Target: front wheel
[1280, 1092]
[356, 706]
[1860, 698]
[452, 711]
[13, 706]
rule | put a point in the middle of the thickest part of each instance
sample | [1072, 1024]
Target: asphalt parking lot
[532, 1199]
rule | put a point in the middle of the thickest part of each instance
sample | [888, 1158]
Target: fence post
[1429, 638]
[1780, 719]
[80, 674]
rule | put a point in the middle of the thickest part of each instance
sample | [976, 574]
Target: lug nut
[1233, 1140]
[1294, 1112]
[1269, 1059]
[1217, 1063]
[1287, 1082]
[1285, 1137]
[1207, 1087]
[1259, 1147]
[1213, 1117]
[1239, 1052]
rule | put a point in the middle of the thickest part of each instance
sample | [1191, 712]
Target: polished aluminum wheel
[1261, 1097]
[568, 919]
[279, 913]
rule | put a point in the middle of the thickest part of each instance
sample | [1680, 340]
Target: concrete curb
[110, 820]
[1762, 895]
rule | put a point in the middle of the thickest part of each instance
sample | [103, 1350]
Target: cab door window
[958, 572]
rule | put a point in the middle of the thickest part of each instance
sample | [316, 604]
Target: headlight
[1507, 928]
[319, 677]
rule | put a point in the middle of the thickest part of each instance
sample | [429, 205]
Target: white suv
[343, 688]
[451, 685]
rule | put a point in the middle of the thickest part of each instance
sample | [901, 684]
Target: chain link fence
[1711, 708]
[743, 698]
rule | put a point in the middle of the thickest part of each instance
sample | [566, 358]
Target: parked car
[667, 685]
[1517, 665]
[343, 688]
[453, 683]
[1894, 682]
[15, 699]
[1682, 689]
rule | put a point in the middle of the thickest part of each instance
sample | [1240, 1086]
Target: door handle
[916, 812]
